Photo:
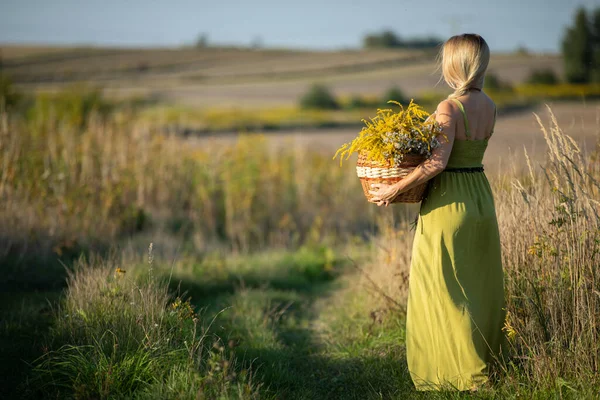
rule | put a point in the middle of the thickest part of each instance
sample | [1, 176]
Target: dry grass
[63, 185]
[550, 234]
[67, 186]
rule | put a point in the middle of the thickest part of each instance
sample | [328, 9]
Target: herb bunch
[389, 136]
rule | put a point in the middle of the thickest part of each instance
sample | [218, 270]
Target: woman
[455, 310]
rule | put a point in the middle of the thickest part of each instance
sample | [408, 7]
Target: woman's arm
[445, 116]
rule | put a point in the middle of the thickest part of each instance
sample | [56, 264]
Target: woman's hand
[383, 194]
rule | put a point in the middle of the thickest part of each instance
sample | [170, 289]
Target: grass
[215, 120]
[295, 291]
[118, 336]
[550, 235]
[211, 120]
[72, 186]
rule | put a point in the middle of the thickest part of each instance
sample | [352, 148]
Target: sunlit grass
[118, 333]
[252, 118]
[550, 235]
[310, 279]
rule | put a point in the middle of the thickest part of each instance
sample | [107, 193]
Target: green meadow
[162, 236]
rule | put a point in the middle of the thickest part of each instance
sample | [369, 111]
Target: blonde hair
[464, 60]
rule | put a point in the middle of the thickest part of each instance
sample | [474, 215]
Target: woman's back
[480, 113]
[474, 118]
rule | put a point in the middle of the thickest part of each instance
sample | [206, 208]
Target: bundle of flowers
[391, 145]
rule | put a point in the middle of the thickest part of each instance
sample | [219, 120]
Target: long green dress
[455, 310]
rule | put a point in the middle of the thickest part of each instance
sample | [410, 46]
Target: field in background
[210, 89]
[139, 262]
[240, 77]
[228, 89]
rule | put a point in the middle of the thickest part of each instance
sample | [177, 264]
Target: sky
[537, 25]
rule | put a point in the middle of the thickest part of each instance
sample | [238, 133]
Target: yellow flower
[176, 304]
[508, 328]
[389, 135]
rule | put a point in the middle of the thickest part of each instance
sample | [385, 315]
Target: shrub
[394, 93]
[319, 97]
[357, 102]
[494, 83]
[543, 77]
[386, 39]
[72, 107]
[9, 96]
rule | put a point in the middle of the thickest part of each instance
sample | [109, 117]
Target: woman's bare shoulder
[489, 102]
[447, 107]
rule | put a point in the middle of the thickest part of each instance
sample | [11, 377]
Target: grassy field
[138, 263]
[296, 285]
[241, 77]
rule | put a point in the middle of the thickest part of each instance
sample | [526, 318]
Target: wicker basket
[371, 172]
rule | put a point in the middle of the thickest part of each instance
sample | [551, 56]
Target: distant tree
[543, 77]
[142, 66]
[9, 96]
[595, 68]
[577, 49]
[422, 43]
[357, 102]
[257, 43]
[521, 50]
[202, 41]
[388, 39]
[318, 97]
[492, 82]
[394, 93]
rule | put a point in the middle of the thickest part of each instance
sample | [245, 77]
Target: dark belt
[465, 169]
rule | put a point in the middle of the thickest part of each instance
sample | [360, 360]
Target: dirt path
[281, 317]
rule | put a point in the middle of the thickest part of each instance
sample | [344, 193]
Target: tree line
[389, 39]
[581, 48]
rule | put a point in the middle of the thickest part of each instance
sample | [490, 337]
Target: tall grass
[549, 223]
[550, 226]
[65, 186]
[68, 186]
[119, 333]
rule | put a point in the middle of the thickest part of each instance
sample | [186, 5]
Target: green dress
[455, 310]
